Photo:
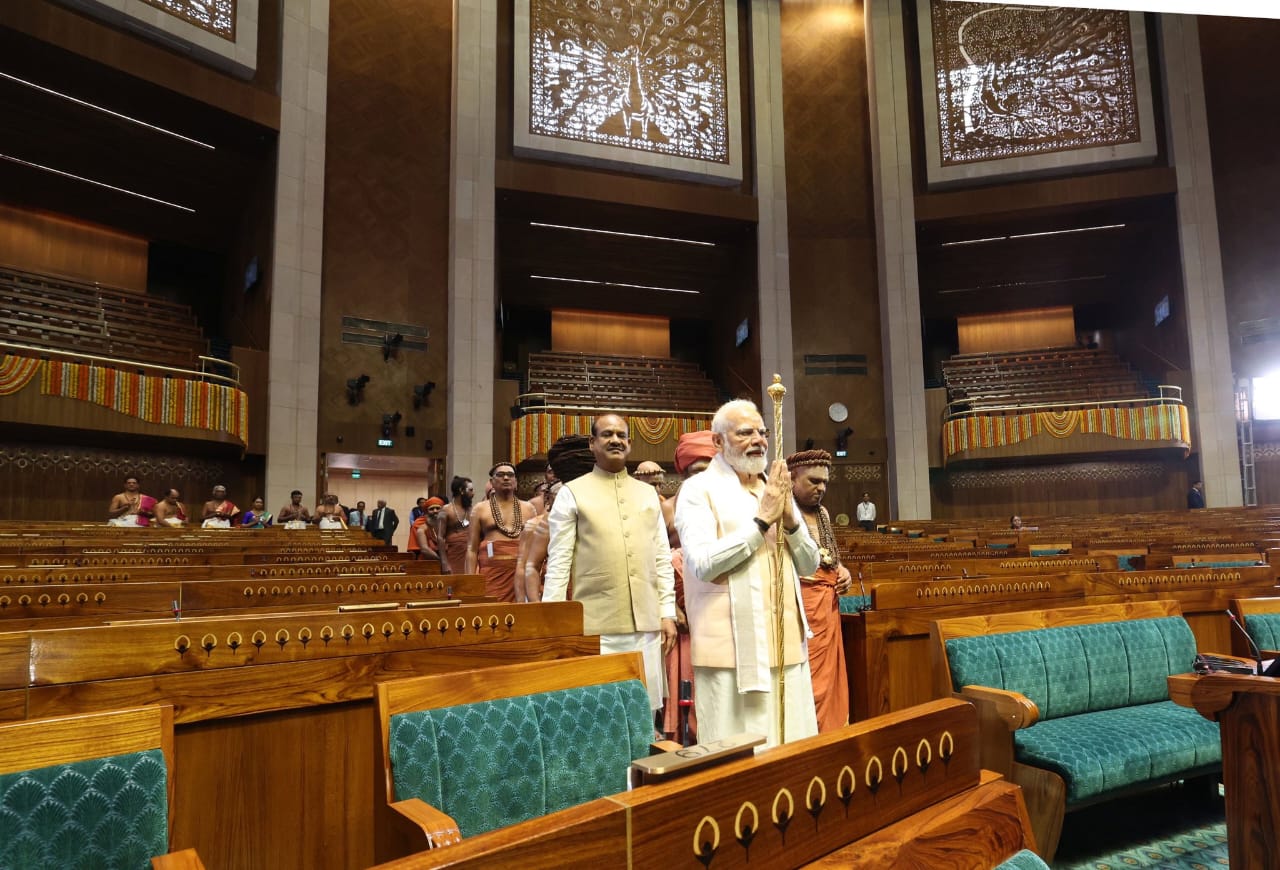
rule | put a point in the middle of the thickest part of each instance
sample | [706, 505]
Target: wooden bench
[904, 790]
[1074, 703]
[464, 753]
[112, 769]
[268, 707]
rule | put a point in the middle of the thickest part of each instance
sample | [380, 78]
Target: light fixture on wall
[389, 423]
[355, 389]
[422, 394]
[390, 344]
[842, 440]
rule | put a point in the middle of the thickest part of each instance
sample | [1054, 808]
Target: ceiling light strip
[620, 233]
[102, 184]
[106, 111]
[1008, 284]
[1033, 235]
[615, 284]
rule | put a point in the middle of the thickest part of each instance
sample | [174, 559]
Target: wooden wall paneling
[48, 481]
[835, 305]
[386, 232]
[54, 245]
[1120, 485]
[609, 333]
[1017, 330]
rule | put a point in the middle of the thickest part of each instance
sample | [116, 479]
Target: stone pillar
[293, 382]
[896, 260]
[1213, 405]
[471, 239]
[773, 265]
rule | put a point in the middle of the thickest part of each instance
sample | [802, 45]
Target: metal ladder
[1244, 435]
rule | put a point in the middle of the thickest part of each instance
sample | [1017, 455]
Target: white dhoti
[126, 521]
[723, 711]
[296, 524]
[330, 524]
[216, 523]
[649, 645]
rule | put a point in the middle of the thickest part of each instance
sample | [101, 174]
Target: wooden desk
[1247, 710]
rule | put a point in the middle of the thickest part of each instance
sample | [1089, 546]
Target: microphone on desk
[685, 705]
[866, 605]
[1257, 653]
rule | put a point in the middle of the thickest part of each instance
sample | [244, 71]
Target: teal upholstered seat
[1265, 629]
[1024, 860]
[494, 763]
[108, 812]
[1106, 721]
[854, 603]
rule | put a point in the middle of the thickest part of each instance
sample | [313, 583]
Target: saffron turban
[692, 447]
[434, 500]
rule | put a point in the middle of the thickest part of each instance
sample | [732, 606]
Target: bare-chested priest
[131, 507]
[496, 524]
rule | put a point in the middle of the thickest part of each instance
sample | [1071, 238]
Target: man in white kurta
[729, 518]
[607, 534]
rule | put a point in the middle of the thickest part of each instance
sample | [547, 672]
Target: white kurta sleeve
[562, 526]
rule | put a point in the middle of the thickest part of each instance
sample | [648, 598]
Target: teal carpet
[1174, 828]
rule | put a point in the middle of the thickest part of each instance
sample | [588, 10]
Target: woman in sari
[257, 517]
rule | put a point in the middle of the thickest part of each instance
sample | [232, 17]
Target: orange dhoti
[455, 547]
[679, 663]
[499, 569]
[826, 650]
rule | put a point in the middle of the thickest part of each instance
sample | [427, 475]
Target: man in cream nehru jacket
[608, 535]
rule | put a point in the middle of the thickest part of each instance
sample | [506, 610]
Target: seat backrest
[532, 739]
[86, 791]
[1078, 668]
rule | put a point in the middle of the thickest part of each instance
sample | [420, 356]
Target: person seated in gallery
[130, 509]
[170, 511]
[218, 511]
[294, 515]
[257, 517]
[329, 514]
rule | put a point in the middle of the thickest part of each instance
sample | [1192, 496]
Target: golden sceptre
[777, 392]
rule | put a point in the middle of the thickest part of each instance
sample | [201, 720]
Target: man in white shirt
[608, 535]
[867, 513]
[729, 518]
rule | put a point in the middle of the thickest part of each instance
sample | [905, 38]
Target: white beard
[740, 462]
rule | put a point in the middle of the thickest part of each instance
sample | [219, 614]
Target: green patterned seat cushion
[1024, 860]
[1265, 628]
[495, 763]
[1100, 752]
[105, 812]
[1080, 668]
[854, 603]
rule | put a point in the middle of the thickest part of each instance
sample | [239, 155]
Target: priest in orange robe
[810, 472]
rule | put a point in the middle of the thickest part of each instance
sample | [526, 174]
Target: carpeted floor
[1175, 828]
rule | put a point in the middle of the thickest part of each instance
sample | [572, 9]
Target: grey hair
[720, 422]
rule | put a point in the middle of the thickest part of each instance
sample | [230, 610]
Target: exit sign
[386, 442]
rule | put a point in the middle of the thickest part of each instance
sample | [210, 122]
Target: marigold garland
[172, 401]
[16, 372]
[534, 433]
[1143, 423]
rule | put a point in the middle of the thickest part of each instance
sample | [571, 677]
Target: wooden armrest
[187, 859]
[437, 826]
[1014, 709]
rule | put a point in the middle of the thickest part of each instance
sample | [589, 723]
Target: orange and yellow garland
[534, 433]
[1144, 423]
[173, 401]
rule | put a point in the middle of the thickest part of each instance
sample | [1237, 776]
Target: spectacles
[747, 433]
[504, 474]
